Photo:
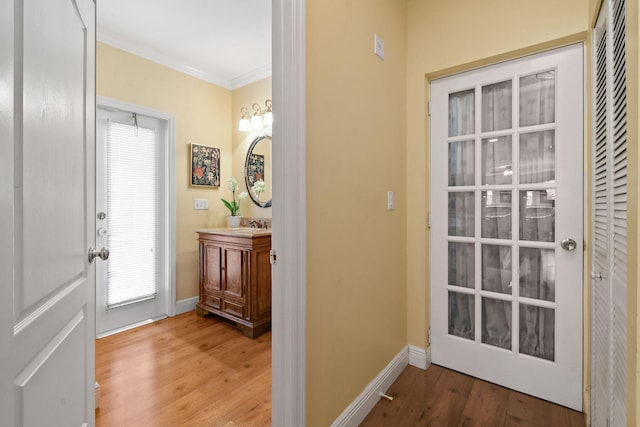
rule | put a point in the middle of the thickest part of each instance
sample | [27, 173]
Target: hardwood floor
[184, 371]
[190, 371]
[441, 397]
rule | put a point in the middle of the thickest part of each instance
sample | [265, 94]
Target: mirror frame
[255, 142]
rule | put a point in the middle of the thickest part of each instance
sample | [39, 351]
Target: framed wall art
[255, 169]
[205, 166]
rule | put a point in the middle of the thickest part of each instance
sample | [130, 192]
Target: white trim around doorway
[289, 215]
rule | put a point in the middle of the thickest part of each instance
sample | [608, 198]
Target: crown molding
[112, 39]
[252, 76]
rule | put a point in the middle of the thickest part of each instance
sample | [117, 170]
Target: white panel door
[47, 104]
[132, 220]
[507, 224]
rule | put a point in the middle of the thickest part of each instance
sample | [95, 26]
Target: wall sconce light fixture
[244, 125]
[258, 120]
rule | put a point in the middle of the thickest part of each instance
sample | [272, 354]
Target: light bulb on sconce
[244, 125]
[258, 119]
[268, 115]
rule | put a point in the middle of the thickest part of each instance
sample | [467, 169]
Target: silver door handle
[568, 244]
[103, 254]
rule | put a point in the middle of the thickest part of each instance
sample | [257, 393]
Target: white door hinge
[428, 219]
[429, 336]
[272, 256]
[429, 108]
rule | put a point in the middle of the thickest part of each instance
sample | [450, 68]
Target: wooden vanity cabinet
[235, 279]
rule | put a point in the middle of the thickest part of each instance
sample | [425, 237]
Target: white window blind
[131, 213]
[609, 284]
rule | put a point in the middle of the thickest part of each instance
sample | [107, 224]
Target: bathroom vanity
[235, 277]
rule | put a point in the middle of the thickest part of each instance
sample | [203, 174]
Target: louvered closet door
[609, 263]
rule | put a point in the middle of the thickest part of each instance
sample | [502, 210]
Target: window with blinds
[131, 212]
[609, 263]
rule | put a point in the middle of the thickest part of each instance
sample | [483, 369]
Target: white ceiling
[225, 42]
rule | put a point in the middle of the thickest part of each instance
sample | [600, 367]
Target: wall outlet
[200, 204]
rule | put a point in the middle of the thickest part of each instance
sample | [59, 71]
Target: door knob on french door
[568, 244]
[103, 254]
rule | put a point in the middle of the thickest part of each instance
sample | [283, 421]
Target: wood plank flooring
[441, 397]
[184, 371]
[189, 371]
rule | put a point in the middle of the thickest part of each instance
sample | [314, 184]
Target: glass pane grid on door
[501, 204]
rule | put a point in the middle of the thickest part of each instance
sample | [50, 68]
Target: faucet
[259, 223]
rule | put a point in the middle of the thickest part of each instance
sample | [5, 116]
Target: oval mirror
[257, 171]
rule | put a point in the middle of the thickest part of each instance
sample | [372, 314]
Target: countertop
[237, 232]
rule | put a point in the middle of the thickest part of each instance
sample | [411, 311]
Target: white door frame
[168, 258]
[289, 215]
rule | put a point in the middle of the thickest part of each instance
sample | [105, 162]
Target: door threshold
[131, 326]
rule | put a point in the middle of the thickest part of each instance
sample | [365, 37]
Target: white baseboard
[185, 305]
[419, 357]
[364, 403]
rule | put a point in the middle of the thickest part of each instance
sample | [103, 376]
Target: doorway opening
[135, 216]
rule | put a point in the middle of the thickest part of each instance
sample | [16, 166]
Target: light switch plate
[200, 204]
[378, 46]
[390, 200]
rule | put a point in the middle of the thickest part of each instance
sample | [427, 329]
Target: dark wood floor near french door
[184, 371]
[441, 397]
[189, 371]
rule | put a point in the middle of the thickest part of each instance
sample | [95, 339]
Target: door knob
[103, 254]
[568, 244]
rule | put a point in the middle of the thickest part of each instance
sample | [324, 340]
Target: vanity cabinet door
[212, 267]
[235, 282]
[234, 273]
[210, 275]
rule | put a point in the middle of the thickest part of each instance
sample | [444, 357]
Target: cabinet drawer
[233, 308]
[212, 301]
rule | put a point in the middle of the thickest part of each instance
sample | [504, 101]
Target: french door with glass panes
[507, 224]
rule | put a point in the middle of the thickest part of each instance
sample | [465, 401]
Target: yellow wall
[356, 248]
[203, 116]
[257, 92]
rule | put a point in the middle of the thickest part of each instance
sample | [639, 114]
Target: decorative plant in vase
[234, 205]
[257, 188]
